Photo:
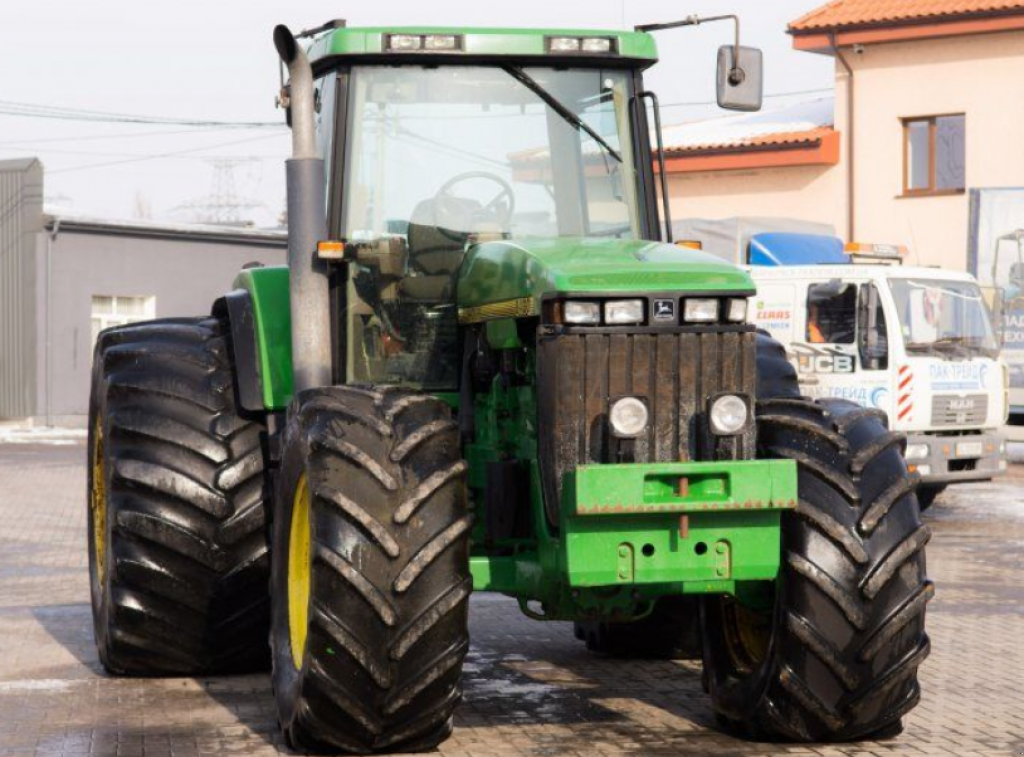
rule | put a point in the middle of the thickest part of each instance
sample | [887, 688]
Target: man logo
[665, 310]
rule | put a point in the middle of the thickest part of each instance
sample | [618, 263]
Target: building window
[933, 155]
[109, 310]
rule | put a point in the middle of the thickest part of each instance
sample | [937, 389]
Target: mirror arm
[663, 174]
[736, 75]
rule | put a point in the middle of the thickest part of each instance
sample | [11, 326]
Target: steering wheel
[499, 209]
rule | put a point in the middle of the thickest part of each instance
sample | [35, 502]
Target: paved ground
[531, 689]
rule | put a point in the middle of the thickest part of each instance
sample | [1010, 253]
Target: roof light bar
[582, 45]
[877, 250]
[415, 43]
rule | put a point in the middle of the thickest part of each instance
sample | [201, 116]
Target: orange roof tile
[778, 139]
[842, 14]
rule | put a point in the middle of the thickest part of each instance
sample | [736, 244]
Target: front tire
[836, 658]
[370, 579]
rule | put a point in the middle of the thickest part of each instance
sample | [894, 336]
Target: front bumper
[953, 459]
[700, 526]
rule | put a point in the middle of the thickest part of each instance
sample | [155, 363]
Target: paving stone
[530, 688]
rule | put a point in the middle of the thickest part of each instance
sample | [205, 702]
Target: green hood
[514, 269]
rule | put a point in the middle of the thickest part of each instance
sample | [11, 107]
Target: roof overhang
[823, 40]
[57, 223]
[819, 148]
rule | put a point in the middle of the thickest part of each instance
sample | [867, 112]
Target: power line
[144, 156]
[130, 135]
[173, 154]
[31, 110]
[795, 93]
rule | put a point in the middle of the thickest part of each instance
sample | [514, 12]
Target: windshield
[948, 318]
[480, 150]
[440, 158]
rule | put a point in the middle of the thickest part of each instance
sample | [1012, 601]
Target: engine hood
[529, 268]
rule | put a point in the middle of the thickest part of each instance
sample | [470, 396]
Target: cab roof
[629, 48]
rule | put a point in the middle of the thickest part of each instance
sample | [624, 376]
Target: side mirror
[873, 347]
[740, 81]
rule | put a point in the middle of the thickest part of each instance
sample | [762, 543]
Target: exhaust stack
[307, 225]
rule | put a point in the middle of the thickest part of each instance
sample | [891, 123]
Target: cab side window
[831, 313]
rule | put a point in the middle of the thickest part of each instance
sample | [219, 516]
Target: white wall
[982, 76]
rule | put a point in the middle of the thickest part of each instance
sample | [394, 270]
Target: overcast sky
[214, 60]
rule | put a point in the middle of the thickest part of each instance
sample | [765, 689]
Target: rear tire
[178, 547]
[837, 658]
[368, 656]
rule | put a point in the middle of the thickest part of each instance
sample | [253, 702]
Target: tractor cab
[441, 158]
[437, 141]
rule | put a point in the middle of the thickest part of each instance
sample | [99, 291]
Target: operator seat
[436, 252]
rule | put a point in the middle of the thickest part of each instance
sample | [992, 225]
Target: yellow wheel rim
[748, 633]
[98, 504]
[299, 572]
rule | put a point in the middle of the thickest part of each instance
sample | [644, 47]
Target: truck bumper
[699, 526]
[953, 459]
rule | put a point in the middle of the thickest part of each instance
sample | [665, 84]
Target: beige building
[929, 104]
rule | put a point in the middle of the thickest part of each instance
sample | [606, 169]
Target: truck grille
[581, 373]
[951, 410]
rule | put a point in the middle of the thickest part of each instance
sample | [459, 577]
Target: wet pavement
[531, 688]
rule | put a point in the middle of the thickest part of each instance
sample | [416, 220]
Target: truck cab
[917, 343]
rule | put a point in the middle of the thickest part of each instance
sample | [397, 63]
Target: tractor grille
[951, 410]
[581, 372]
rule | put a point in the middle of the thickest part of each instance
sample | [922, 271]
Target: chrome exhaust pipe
[307, 225]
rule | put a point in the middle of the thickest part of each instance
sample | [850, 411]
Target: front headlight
[916, 452]
[737, 310]
[728, 415]
[628, 417]
[588, 313]
[700, 311]
[618, 312]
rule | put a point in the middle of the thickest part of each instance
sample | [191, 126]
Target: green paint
[623, 523]
[637, 47]
[506, 270]
[617, 490]
[268, 288]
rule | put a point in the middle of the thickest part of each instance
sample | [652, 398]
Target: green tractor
[482, 371]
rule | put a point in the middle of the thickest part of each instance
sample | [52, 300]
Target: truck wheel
[178, 540]
[928, 493]
[836, 658]
[670, 632]
[370, 578]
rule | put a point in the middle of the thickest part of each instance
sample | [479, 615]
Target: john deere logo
[664, 310]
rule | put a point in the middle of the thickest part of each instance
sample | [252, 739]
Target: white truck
[917, 343]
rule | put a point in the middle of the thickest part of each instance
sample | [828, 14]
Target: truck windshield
[947, 318]
[440, 158]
